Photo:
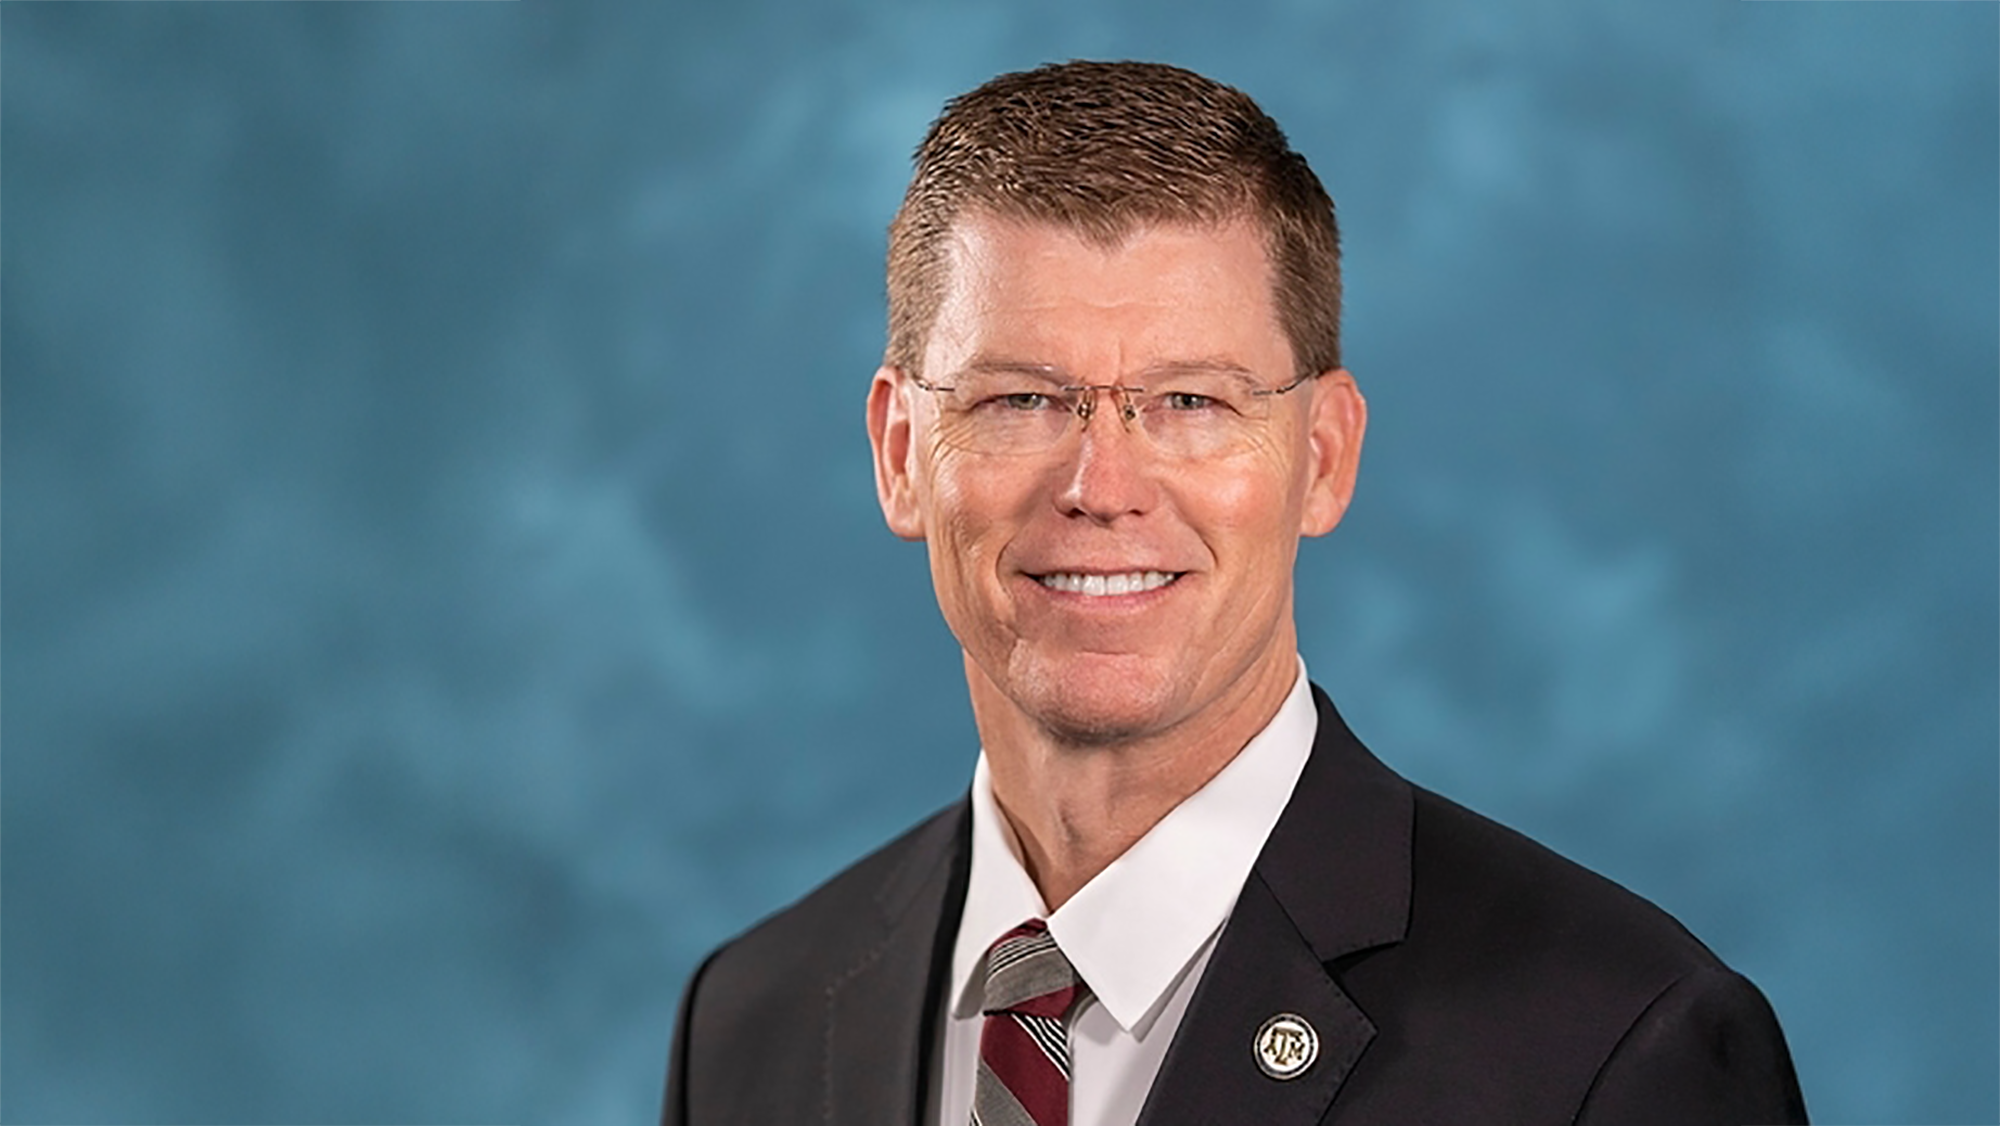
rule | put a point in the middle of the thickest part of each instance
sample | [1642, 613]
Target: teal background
[444, 593]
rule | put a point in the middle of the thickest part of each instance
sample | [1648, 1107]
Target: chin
[1096, 703]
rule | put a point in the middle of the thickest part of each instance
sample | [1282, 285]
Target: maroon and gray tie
[1031, 992]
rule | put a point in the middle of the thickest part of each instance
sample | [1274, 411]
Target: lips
[1099, 585]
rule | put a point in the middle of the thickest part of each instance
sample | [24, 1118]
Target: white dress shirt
[1139, 933]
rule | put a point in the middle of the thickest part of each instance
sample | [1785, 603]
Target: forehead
[1029, 290]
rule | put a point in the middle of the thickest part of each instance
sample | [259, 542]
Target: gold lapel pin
[1286, 1046]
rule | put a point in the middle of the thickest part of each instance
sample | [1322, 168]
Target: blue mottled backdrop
[444, 592]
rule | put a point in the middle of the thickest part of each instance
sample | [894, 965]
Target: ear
[889, 434]
[1339, 417]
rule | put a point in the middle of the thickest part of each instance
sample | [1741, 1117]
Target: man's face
[1011, 537]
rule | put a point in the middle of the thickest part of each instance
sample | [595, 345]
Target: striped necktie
[1024, 1045]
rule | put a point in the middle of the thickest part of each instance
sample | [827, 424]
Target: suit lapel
[1333, 879]
[882, 1011]
[1211, 1073]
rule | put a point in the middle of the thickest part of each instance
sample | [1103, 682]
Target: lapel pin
[1286, 1046]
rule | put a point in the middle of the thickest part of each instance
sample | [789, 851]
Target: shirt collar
[1135, 928]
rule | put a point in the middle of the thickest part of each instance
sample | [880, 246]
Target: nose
[1109, 472]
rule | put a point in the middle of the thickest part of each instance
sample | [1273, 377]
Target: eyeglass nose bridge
[1086, 400]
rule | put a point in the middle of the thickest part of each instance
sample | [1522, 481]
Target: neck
[1076, 808]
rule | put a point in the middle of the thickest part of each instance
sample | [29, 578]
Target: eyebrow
[1200, 367]
[983, 365]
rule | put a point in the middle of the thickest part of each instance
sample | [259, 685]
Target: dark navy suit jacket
[1456, 973]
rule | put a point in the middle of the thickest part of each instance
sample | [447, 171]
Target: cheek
[1255, 511]
[974, 511]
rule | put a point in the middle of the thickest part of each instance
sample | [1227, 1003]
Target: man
[1180, 891]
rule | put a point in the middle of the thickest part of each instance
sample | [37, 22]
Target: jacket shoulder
[751, 1041]
[817, 936]
[1530, 982]
[1489, 900]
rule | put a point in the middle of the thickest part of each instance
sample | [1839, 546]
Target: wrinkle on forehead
[989, 247]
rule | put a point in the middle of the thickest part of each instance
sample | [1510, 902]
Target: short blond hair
[1105, 148]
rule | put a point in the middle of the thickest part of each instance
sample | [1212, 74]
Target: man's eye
[1190, 401]
[1022, 401]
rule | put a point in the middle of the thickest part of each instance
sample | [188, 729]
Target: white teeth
[1097, 586]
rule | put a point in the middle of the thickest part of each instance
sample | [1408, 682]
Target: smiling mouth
[1101, 586]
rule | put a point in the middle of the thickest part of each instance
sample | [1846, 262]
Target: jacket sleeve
[674, 1109]
[1706, 1052]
